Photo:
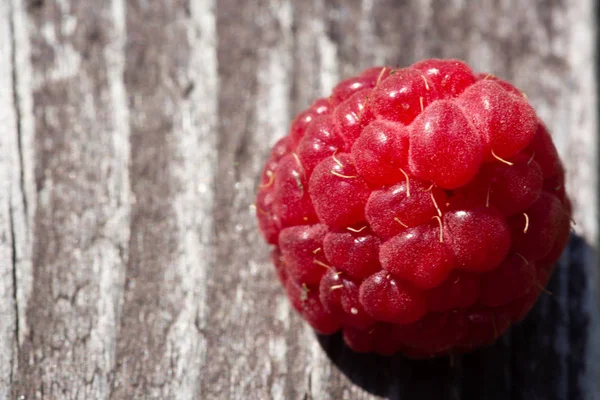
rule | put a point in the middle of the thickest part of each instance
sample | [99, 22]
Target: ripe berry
[419, 210]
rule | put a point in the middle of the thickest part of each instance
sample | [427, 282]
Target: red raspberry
[419, 210]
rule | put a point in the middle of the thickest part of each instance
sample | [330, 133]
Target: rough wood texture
[132, 134]
[68, 330]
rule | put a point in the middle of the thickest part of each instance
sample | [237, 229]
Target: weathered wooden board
[132, 134]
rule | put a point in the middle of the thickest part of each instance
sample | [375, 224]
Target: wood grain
[170, 78]
[9, 162]
[132, 136]
[81, 224]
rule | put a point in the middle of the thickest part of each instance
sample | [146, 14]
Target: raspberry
[419, 210]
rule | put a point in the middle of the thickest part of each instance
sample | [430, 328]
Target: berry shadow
[530, 360]
[395, 377]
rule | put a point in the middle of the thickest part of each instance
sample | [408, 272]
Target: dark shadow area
[396, 376]
[549, 346]
[542, 357]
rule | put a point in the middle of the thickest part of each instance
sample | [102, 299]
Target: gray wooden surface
[132, 134]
